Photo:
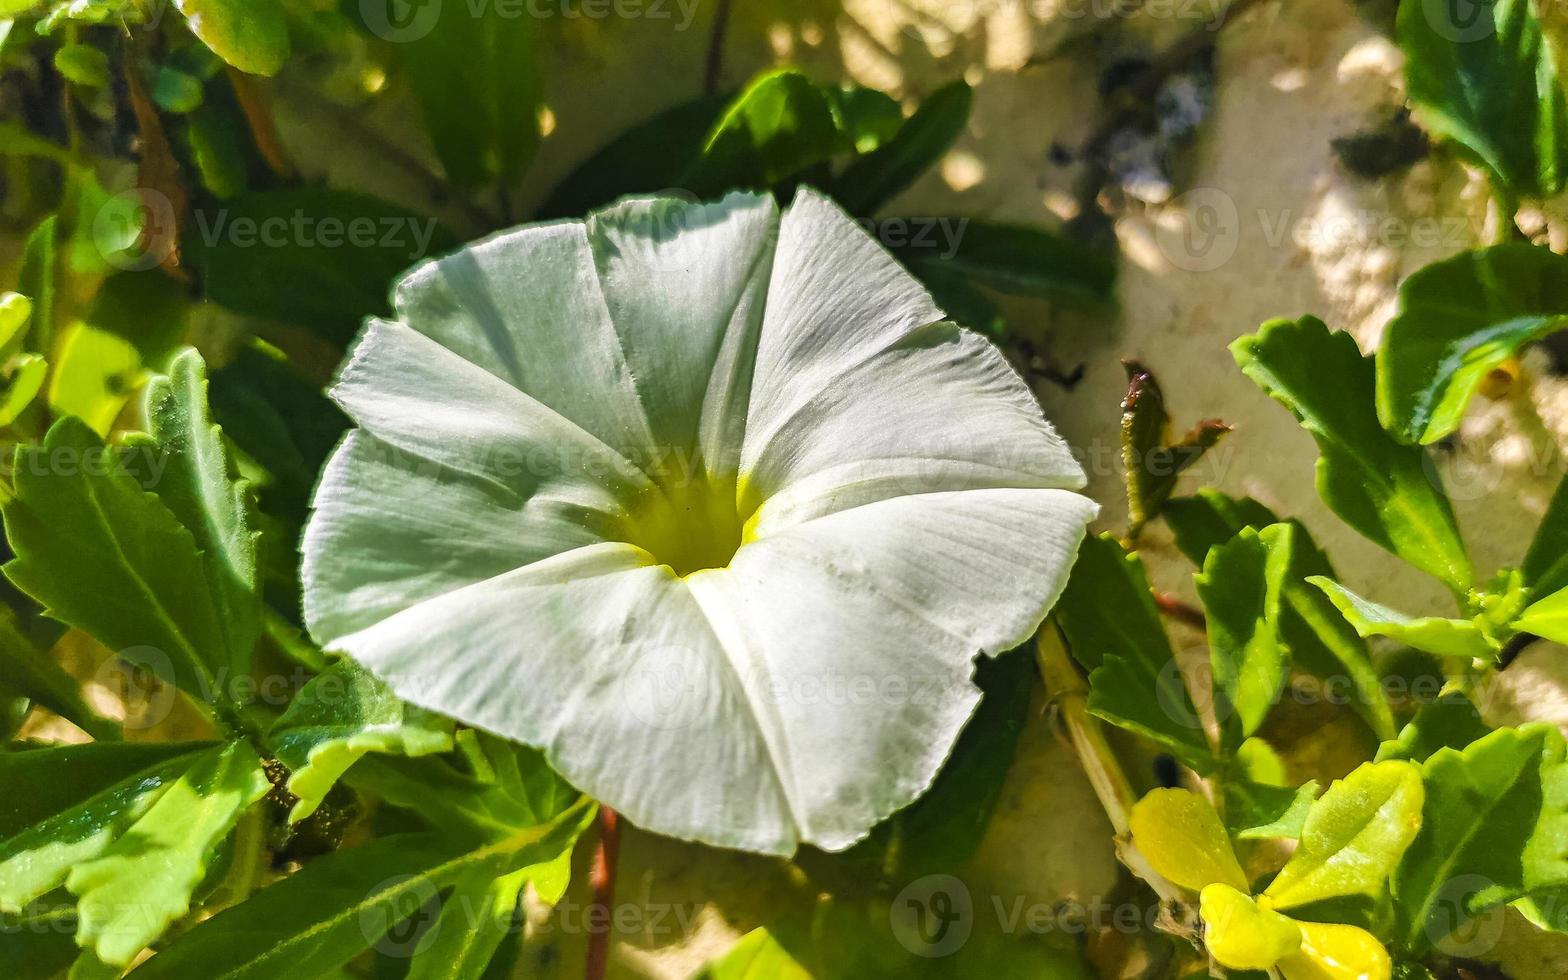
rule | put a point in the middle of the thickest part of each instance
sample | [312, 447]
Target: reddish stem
[602, 880]
[1180, 611]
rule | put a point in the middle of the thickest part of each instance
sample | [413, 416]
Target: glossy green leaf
[1182, 838]
[1242, 586]
[251, 35]
[82, 64]
[36, 279]
[867, 118]
[755, 956]
[280, 422]
[1433, 634]
[1546, 617]
[1260, 802]
[131, 892]
[475, 917]
[651, 156]
[1108, 617]
[1495, 829]
[1450, 722]
[505, 788]
[28, 373]
[338, 251]
[1320, 640]
[339, 716]
[51, 824]
[877, 177]
[102, 554]
[15, 310]
[1484, 77]
[477, 80]
[1353, 837]
[778, 126]
[196, 482]
[1545, 567]
[27, 670]
[1242, 935]
[95, 376]
[1387, 491]
[1459, 320]
[1015, 259]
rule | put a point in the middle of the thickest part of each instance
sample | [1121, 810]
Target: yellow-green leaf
[1353, 837]
[1183, 839]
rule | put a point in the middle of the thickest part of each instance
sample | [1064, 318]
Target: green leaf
[51, 824]
[280, 422]
[1450, 722]
[866, 117]
[1459, 320]
[196, 484]
[755, 956]
[1485, 78]
[82, 64]
[36, 279]
[1495, 829]
[1320, 640]
[1182, 838]
[1434, 634]
[1113, 629]
[94, 376]
[1546, 617]
[1242, 585]
[27, 670]
[474, 919]
[1388, 491]
[28, 372]
[1353, 837]
[506, 787]
[778, 126]
[15, 310]
[877, 177]
[338, 251]
[650, 156]
[339, 716]
[103, 555]
[477, 81]
[1015, 259]
[1210, 518]
[251, 35]
[337, 906]
[129, 894]
[1545, 568]
[1256, 812]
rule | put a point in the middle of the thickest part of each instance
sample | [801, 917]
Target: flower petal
[526, 306]
[1241, 934]
[1182, 838]
[391, 529]
[1337, 952]
[604, 661]
[862, 391]
[856, 636]
[685, 285]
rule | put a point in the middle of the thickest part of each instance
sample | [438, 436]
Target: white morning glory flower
[710, 504]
